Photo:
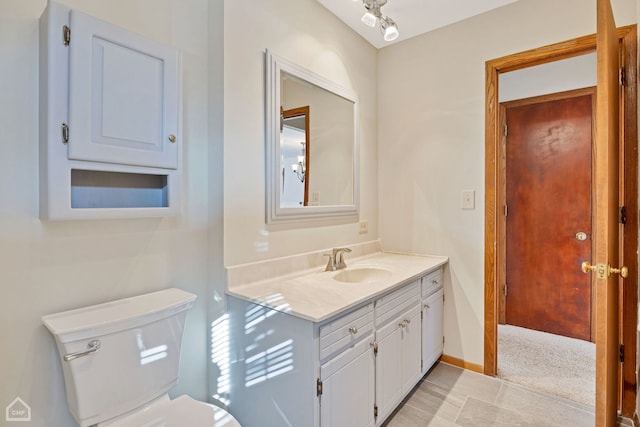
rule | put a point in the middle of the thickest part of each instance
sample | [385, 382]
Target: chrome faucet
[336, 259]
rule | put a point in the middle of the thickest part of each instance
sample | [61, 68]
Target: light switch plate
[363, 227]
[468, 199]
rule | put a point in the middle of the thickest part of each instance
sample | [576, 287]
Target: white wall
[46, 267]
[431, 141]
[304, 32]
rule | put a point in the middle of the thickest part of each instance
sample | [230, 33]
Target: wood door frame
[557, 96]
[494, 196]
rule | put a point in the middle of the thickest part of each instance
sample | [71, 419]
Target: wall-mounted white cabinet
[351, 370]
[110, 117]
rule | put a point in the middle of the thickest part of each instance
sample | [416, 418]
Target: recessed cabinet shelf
[110, 118]
[96, 189]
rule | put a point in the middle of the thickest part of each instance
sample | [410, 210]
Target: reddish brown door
[548, 224]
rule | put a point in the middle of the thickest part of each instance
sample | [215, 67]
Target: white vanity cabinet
[432, 319]
[110, 118]
[352, 369]
[346, 382]
[398, 338]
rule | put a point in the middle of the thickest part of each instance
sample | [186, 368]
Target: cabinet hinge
[66, 35]
[623, 77]
[374, 345]
[621, 353]
[375, 410]
[65, 133]
[318, 387]
[623, 215]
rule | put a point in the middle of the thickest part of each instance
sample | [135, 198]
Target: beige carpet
[554, 364]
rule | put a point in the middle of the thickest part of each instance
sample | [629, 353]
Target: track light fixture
[372, 15]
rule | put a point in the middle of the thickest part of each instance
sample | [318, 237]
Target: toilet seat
[179, 412]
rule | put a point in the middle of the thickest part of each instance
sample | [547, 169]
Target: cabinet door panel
[411, 352]
[432, 329]
[388, 368]
[123, 96]
[348, 388]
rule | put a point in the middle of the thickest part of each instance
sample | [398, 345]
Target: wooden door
[606, 224]
[124, 94]
[548, 198]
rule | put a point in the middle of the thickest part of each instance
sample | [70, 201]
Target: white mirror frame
[275, 214]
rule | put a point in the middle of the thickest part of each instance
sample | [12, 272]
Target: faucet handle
[340, 261]
[331, 264]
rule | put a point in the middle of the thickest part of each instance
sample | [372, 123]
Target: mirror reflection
[325, 137]
[294, 152]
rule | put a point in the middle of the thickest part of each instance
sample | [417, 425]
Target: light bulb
[389, 29]
[369, 19]
[391, 33]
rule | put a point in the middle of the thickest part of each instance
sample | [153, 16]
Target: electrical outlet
[468, 199]
[363, 227]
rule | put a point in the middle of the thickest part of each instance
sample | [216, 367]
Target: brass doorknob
[624, 271]
[172, 138]
[604, 271]
[586, 267]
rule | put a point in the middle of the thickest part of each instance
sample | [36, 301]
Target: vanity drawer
[431, 282]
[390, 306]
[345, 330]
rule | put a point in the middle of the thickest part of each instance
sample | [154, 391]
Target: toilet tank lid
[117, 315]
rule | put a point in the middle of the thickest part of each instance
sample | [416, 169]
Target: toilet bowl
[120, 359]
[179, 412]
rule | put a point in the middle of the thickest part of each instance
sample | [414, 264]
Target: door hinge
[621, 353]
[623, 77]
[65, 133]
[623, 215]
[421, 364]
[505, 289]
[506, 130]
[66, 35]
[374, 345]
[375, 411]
[506, 210]
[422, 315]
[318, 387]
[443, 339]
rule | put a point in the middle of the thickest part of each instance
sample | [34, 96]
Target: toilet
[120, 359]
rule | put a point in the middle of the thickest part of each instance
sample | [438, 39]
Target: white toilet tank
[120, 355]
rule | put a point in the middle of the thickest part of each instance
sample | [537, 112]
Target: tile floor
[451, 396]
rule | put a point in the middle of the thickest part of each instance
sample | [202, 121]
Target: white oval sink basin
[362, 275]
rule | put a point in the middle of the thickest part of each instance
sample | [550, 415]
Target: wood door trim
[494, 253]
[501, 194]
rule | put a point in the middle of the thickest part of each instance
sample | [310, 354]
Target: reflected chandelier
[388, 27]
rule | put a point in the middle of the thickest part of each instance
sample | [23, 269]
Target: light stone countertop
[314, 295]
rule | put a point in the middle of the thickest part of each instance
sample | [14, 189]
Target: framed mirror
[311, 146]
